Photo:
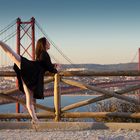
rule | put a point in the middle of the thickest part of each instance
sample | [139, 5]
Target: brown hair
[40, 46]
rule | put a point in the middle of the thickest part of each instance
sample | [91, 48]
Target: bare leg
[29, 96]
[29, 102]
[13, 56]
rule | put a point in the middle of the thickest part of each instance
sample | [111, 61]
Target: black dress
[32, 73]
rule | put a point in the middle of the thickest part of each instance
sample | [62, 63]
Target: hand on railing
[57, 66]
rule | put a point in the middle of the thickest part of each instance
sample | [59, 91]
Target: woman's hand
[57, 66]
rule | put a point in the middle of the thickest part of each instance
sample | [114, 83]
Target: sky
[87, 31]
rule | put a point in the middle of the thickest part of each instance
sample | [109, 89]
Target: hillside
[95, 67]
[109, 67]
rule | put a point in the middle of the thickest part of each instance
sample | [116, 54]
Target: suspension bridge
[22, 38]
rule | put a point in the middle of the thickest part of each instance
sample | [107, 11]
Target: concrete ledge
[69, 125]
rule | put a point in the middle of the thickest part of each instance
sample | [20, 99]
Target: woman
[30, 74]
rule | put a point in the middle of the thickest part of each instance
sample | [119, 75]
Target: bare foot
[35, 124]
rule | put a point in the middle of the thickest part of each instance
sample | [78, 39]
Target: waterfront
[48, 101]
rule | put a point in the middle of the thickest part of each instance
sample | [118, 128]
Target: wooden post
[57, 97]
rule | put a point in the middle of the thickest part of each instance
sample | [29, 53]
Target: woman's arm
[47, 64]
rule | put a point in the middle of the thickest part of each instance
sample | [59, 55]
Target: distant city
[94, 67]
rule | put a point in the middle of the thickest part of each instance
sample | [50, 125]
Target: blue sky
[87, 31]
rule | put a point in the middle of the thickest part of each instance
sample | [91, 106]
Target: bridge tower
[139, 59]
[21, 33]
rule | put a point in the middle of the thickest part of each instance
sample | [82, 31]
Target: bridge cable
[11, 35]
[134, 57]
[7, 27]
[43, 32]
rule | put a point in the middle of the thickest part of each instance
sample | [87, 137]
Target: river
[48, 101]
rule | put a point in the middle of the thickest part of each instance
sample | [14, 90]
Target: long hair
[40, 46]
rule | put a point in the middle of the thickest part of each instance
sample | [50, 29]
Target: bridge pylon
[139, 59]
[23, 28]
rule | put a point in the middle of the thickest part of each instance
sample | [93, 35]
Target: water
[49, 102]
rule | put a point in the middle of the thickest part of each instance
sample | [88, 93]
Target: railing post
[57, 97]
